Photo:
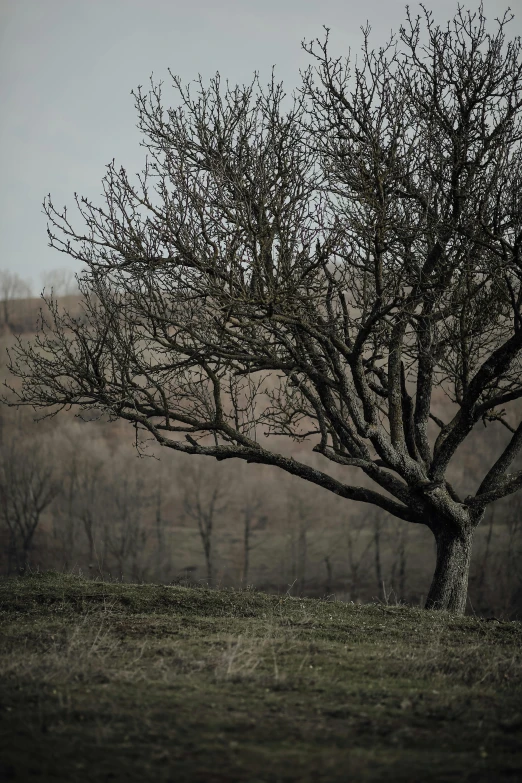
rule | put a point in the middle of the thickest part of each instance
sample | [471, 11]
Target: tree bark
[449, 587]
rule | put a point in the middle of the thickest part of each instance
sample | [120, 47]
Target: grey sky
[67, 68]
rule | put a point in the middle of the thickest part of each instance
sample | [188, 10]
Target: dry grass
[122, 682]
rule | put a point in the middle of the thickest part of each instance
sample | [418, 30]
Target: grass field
[117, 682]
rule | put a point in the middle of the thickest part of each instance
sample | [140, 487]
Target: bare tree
[510, 571]
[62, 282]
[27, 488]
[125, 528]
[65, 520]
[377, 555]
[253, 517]
[358, 550]
[329, 574]
[399, 555]
[163, 564]
[316, 268]
[204, 499]
[90, 505]
[300, 518]
[11, 287]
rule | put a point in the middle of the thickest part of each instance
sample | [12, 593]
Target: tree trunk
[246, 549]
[378, 563]
[302, 547]
[207, 551]
[328, 565]
[449, 587]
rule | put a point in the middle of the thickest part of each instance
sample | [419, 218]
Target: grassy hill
[117, 682]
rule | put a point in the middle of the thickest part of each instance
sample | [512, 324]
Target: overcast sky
[67, 68]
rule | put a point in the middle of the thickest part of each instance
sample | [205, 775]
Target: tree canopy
[314, 267]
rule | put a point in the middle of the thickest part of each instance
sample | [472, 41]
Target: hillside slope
[123, 682]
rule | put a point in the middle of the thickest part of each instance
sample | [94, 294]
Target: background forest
[79, 498]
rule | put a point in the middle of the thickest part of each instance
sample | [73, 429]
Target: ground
[117, 682]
